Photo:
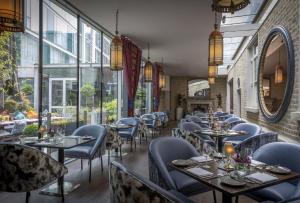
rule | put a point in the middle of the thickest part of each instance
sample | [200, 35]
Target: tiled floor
[97, 190]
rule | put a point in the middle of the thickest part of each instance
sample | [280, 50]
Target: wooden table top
[216, 184]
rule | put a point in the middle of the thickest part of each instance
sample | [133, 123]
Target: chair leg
[27, 196]
[131, 144]
[134, 143]
[90, 174]
[108, 158]
[215, 198]
[236, 199]
[62, 192]
[121, 152]
[81, 164]
[141, 138]
[101, 163]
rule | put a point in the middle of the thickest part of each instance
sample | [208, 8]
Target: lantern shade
[212, 71]
[116, 54]
[148, 72]
[215, 46]
[278, 74]
[211, 81]
[12, 15]
[162, 80]
[229, 6]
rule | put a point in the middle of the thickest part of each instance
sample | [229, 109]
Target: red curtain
[132, 56]
[156, 89]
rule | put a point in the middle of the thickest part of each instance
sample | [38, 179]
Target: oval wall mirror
[276, 74]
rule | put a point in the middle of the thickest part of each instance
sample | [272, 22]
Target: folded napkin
[261, 177]
[201, 159]
[256, 163]
[200, 172]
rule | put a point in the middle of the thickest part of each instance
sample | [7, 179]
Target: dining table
[66, 142]
[216, 180]
[219, 135]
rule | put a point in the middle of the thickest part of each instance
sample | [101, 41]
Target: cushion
[79, 151]
[187, 185]
[180, 196]
[278, 192]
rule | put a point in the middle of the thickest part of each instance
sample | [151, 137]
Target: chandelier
[12, 15]
[229, 6]
[116, 50]
[148, 69]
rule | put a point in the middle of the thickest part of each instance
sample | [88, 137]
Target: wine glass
[207, 152]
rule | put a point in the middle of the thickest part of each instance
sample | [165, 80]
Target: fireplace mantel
[194, 102]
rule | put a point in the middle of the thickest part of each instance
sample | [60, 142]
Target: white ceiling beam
[239, 30]
[239, 34]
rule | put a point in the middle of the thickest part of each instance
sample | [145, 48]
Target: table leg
[56, 188]
[226, 198]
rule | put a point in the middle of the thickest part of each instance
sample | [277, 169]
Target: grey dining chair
[127, 186]
[24, 169]
[286, 155]
[160, 154]
[129, 133]
[88, 150]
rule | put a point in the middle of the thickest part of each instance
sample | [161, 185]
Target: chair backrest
[250, 128]
[200, 114]
[195, 119]
[18, 128]
[280, 153]
[24, 169]
[257, 141]
[130, 121]
[161, 153]
[97, 131]
[127, 186]
[190, 126]
[149, 119]
[232, 119]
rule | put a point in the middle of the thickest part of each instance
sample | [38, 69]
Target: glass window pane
[90, 74]
[18, 70]
[59, 66]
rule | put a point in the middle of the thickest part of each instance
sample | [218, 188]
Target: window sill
[252, 109]
[295, 115]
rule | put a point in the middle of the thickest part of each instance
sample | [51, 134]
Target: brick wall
[285, 13]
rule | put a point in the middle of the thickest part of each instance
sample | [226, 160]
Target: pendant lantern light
[211, 81]
[12, 15]
[148, 69]
[278, 71]
[212, 71]
[215, 46]
[116, 50]
[162, 77]
[229, 6]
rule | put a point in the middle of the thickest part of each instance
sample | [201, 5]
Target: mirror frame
[278, 115]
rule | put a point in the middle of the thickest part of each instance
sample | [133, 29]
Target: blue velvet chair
[150, 121]
[233, 121]
[127, 186]
[257, 141]
[129, 133]
[24, 169]
[250, 129]
[161, 154]
[163, 117]
[192, 127]
[88, 150]
[198, 121]
[286, 155]
[200, 114]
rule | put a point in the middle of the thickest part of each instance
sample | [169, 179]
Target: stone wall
[285, 13]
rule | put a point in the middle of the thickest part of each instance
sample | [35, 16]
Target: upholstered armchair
[88, 150]
[129, 133]
[160, 155]
[257, 141]
[150, 120]
[233, 121]
[113, 141]
[127, 186]
[24, 169]
[286, 155]
[250, 130]
[200, 114]
[192, 127]
[142, 129]
[163, 117]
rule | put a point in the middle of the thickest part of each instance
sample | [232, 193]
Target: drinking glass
[207, 152]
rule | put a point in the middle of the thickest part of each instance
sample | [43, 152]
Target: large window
[77, 84]
[252, 73]
[110, 86]
[140, 97]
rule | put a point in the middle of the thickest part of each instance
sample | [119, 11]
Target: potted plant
[30, 130]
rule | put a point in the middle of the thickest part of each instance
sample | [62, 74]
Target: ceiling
[176, 30]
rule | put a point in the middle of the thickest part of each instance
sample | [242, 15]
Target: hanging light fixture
[211, 81]
[148, 69]
[278, 71]
[12, 15]
[116, 50]
[215, 46]
[229, 6]
[162, 76]
[212, 71]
